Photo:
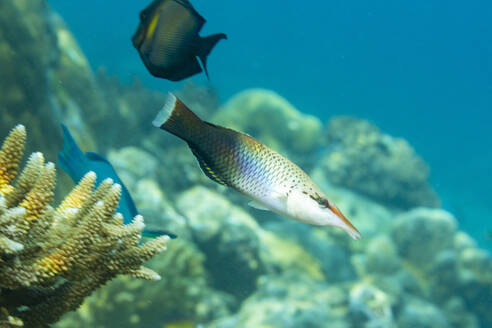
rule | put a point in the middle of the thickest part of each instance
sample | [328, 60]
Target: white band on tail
[166, 111]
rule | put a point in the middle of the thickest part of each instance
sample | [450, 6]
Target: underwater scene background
[385, 104]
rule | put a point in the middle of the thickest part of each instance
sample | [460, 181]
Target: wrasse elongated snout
[243, 163]
[349, 228]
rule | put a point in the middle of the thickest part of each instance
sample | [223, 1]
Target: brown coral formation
[361, 157]
[51, 259]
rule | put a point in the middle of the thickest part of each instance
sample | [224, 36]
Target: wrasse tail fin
[176, 118]
[71, 159]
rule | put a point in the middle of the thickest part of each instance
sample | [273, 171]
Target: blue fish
[76, 164]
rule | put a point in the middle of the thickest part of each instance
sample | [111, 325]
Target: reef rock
[45, 76]
[360, 157]
[382, 256]
[327, 246]
[271, 119]
[475, 275]
[370, 307]
[228, 238]
[238, 250]
[422, 233]
[290, 301]
[420, 314]
[133, 164]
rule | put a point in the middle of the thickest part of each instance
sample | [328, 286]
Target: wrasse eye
[142, 15]
[323, 202]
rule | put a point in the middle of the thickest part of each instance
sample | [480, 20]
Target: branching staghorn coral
[51, 259]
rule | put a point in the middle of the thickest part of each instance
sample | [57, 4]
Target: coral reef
[128, 106]
[52, 258]
[230, 240]
[362, 158]
[46, 80]
[182, 293]
[412, 268]
[232, 265]
[370, 306]
[418, 313]
[422, 233]
[45, 76]
[238, 250]
[290, 301]
[383, 281]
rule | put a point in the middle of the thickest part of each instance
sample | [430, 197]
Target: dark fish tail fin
[206, 45]
[176, 118]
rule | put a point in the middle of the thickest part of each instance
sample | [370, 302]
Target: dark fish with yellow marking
[168, 42]
[243, 163]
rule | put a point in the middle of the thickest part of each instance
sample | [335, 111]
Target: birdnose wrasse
[243, 163]
[168, 42]
[76, 164]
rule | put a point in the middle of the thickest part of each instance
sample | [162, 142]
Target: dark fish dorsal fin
[206, 45]
[150, 9]
[209, 172]
[189, 6]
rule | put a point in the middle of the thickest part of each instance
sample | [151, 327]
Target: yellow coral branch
[77, 196]
[41, 194]
[10, 157]
[63, 254]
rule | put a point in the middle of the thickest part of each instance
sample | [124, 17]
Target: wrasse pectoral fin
[209, 172]
[258, 206]
[150, 233]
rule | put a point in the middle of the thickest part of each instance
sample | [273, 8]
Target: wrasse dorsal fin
[209, 172]
[71, 158]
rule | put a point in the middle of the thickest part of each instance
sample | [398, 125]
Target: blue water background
[421, 70]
